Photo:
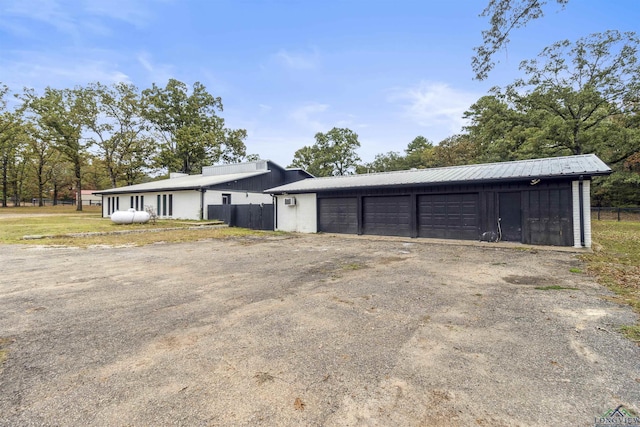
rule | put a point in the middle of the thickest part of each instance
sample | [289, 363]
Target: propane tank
[130, 216]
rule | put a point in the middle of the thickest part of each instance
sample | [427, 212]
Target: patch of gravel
[313, 330]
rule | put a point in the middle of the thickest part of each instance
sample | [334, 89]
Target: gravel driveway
[308, 330]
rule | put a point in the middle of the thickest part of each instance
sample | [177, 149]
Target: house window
[165, 204]
[131, 203]
[137, 206]
[141, 203]
[226, 199]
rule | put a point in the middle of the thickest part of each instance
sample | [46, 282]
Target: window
[226, 199]
[131, 203]
[165, 204]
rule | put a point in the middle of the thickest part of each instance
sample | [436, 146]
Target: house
[539, 201]
[185, 196]
[89, 198]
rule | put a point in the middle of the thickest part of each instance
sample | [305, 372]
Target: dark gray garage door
[448, 216]
[338, 215]
[387, 216]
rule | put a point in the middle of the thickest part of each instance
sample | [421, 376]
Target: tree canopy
[334, 153]
[192, 133]
[575, 98]
[504, 17]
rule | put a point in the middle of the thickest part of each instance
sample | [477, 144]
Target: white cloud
[434, 104]
[306, 116]
[38, 70]
[134, 12]
[157, 73]
[298, 60]
[73, 17]
[45, 11]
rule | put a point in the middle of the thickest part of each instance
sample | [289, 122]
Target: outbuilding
[539, 201]
[229, 192]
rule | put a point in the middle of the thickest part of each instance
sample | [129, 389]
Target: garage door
[387, 216]
[338, 215]
[448, 216]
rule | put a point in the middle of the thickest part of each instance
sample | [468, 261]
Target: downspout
[274, 199]
[581, 202]
[202, 191]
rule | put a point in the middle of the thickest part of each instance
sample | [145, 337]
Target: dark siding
[548, 217]
[338, 215]
[448, 216]
[386, 215]
[545, 211]
[276, 177]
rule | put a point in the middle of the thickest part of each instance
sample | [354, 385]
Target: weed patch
[4, 352]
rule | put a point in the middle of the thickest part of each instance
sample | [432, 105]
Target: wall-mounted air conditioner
[289, 201]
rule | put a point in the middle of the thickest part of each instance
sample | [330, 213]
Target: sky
[287, 69]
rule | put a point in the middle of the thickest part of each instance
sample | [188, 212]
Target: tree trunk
[40, 185]
[5, 162]
[78, 187]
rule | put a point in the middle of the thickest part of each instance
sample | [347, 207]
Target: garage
[536, 201]
[338, 215]
[448, 216]
[386, 216]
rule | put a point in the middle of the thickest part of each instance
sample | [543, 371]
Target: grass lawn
[615, 261]
[57, 222]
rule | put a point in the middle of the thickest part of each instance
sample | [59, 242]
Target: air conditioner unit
[289, 201]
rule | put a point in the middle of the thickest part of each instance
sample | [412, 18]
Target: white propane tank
[130, 216]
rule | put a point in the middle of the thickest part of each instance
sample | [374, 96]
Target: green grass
[615, 261]
[56, 223]
[555, 288]
[575, 270]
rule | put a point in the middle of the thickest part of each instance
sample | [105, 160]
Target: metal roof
[188, 182]
[552, 167]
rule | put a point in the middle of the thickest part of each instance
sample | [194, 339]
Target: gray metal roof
[188, 182]
[553, 167]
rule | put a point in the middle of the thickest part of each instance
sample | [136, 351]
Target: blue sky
[286, 69]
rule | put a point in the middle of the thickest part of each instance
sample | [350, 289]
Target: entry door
[510, 216]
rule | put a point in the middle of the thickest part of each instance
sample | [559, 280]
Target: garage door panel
[338, 215]
[386, 215]
[448, 216]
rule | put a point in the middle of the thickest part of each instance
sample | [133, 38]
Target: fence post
[598, 213]
[618, 214]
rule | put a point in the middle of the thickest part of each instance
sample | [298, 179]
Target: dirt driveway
[308, 330]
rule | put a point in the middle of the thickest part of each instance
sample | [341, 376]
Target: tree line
[98, 136]
[574, 98]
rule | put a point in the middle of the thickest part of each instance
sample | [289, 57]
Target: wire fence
[615, 214]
